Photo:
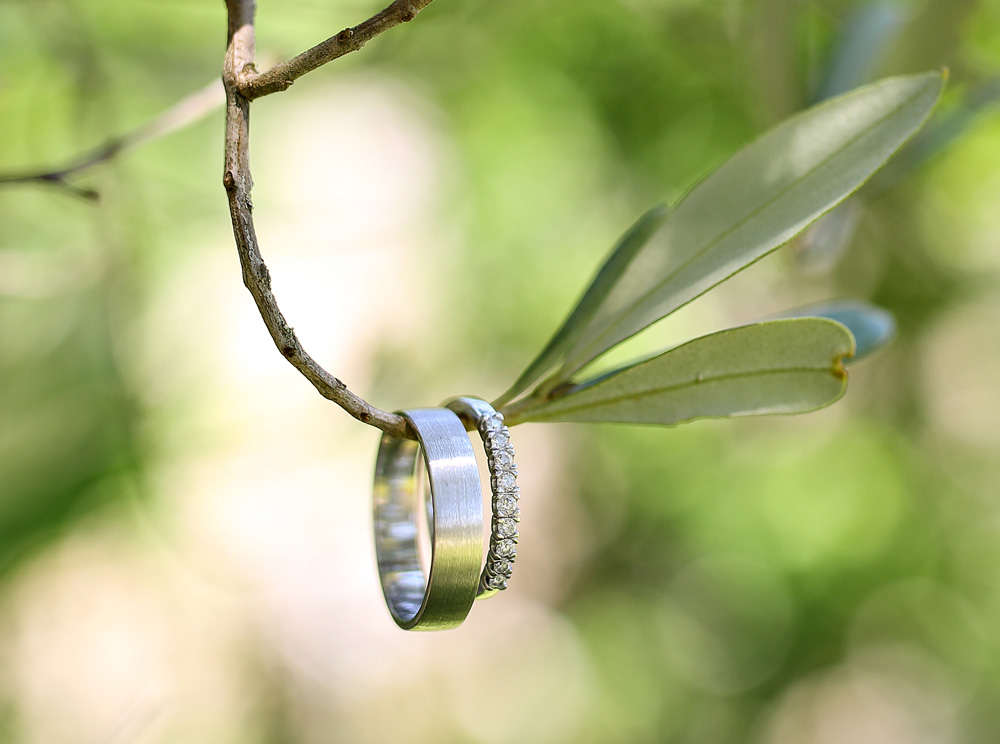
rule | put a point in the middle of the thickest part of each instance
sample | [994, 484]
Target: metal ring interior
[444, 598]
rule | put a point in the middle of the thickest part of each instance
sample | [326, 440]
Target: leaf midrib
[680, 386]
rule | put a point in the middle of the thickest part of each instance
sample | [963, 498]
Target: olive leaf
[760, 198]
[779, 366]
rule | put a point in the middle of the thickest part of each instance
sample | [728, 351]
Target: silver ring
[455, 522]
[499, 566]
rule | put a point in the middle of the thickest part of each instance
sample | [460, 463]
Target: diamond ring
[503, 481]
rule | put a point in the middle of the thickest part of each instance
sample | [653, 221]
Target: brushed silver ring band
[480, 415]
[444, 597]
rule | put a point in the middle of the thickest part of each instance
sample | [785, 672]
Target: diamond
[498, 582]
[491, 423]
[505, 549]
[506, 527]
[507, 481]
[503, 459]
[506, 505]
[499, 439]
[503, 568]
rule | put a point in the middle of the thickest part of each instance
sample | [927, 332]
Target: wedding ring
[455, 522]
[480, 415]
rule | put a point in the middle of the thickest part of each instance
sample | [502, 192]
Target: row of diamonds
[506, 515]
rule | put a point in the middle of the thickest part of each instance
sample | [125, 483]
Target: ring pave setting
[506, 514]
[477, 413]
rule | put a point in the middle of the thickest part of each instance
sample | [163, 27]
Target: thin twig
[238, 182]
[187, 111]
[280, 77]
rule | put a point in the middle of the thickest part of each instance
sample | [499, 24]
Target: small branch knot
[263, 274]
[345, 36]
[229, 180]
[408, 14]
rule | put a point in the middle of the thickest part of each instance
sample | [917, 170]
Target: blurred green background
[185, 549]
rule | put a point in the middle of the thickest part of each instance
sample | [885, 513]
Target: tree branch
[280, 77]
[186, 111]
[239, 183]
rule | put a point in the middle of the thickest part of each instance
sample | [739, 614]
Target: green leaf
[759, 199]
[871, 326]
[779, 366]
[619, 259]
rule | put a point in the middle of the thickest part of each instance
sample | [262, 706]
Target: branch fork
[253, 84]
[243, 84]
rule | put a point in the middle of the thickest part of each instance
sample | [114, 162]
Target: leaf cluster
[759, 199]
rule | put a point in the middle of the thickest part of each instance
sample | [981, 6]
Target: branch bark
[280, 77]
[186, 111]
[237, 72]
